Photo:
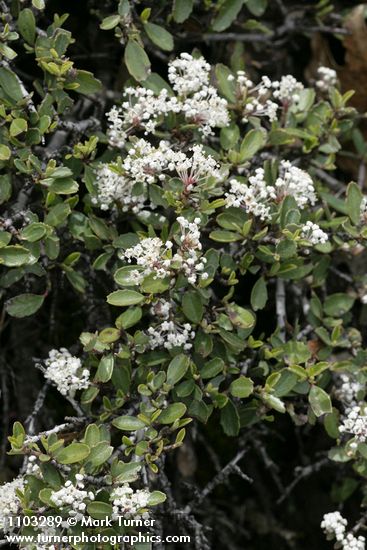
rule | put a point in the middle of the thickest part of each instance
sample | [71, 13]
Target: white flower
[326, 78]
[114, 187]
[73, 497]
[66, 372]
[187, 256]
[170, 335]
[334, 525]
[188, 74]
[151, 256]
[355, 423]
[195, 169]
[127, 502]
[161, 308]
[206, 109]
[295, 182]
[287, 89]
[255, 197]
[353, 543]
[9, 501]
[141, 110]
[312, 233]
[348, 390]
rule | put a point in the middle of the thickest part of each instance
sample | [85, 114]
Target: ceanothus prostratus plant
[206, 200]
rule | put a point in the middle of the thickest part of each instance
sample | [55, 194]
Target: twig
[217, 480]
[29, 423]
[304, 472]
[281, 307]
[71, 423]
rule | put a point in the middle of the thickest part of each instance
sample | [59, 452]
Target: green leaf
[39, 4]
[10, 84]
[177, 369]
[87, 83]
[159, 36]
[27, 25]
[100, 453]
[338, 304]
[251, 143]
[99, 510]
[125, 298]
[15, 256]
[354, 200]
[320, 401]
[259, 294]
[156, 497]
[58, 214]
[182, 10]
[240, 316]
[24, 305]
[212, 368]
[137, 61]
[5, 153]
[222, 236]
[129, 318]
[33, 232]
[110, 22]
[125, 472]
[171, 413]
[257, 7]
[192, 306]
[229, 419]
[242, 387]
[105, 369]
[5, 187]
[128, 423]
[227, 14]
[18, 126]
[76, 452]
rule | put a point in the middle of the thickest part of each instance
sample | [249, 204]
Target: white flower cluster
[287, 89]
[354, 543]
[314, 234]
[72, 496]
[143, 109]
[355, 423]
[170, 335]
[188, 74]
[9, 501]
[147, 164]
[161, 308]
[295, 182]
[153, 256]
[326, 78]
[196, 100]
[187, 256]
[260, 100]
[32, 467]
[256, 196]
[66, 372]
[334, 527]
[127, 502]
[348, 390]
[114, 187]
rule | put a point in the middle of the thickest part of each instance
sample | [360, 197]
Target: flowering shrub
[199, 226]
